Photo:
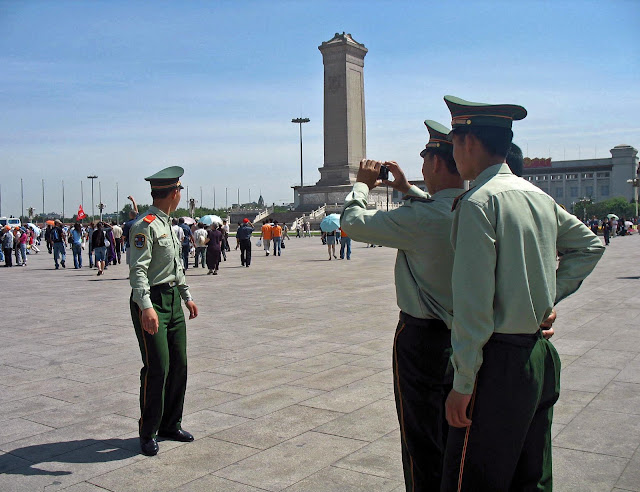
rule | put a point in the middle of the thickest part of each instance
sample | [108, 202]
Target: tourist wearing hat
[420, 231]
[158, 284]
[505, 282]
[243, 236]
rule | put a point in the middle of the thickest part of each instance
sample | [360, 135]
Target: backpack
[201, 239]
[55, 234]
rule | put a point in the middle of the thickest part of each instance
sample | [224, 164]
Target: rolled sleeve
[473, 279]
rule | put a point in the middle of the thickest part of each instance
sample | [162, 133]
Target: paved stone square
[290, 383]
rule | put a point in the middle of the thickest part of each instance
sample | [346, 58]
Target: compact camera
[384, 173]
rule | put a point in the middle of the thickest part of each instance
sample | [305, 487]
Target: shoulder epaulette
[458, 198]
[149, 218]
[413, 198]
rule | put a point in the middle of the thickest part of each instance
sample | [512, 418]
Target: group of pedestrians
[17, 241]
[611, 227]
[303, 229]
[270, 231]
[333, 238]
[104, 243]
[211, 246]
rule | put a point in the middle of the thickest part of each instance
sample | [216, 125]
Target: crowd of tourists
[19, 241]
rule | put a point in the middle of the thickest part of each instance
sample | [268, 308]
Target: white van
[10, 221]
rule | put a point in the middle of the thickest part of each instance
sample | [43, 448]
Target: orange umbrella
[51, 222]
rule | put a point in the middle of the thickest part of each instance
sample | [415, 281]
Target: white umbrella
[35, 228]
[211, 219]
[612, 216]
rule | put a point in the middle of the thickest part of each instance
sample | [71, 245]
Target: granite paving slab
[320, 450]
[174, 468]
[279, 426]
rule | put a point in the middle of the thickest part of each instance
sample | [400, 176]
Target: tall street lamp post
[93, 202]
[300, 121]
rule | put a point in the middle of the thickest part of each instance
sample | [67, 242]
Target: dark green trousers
[507, 448]
[422, 377]
[163, 377]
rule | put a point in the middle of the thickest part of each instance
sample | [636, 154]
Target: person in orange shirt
[345, 242]
[276, 232]
[266, 235]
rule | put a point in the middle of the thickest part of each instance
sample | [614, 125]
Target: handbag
[259, 243]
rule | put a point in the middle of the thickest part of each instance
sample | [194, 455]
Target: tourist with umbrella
[329, 225]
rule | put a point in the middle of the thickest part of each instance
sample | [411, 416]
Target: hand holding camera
[373, 173]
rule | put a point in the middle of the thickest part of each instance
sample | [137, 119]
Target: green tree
[618, 205]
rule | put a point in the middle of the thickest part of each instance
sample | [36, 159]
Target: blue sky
[123, 88]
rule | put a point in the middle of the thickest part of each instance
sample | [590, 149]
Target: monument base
[308, 198]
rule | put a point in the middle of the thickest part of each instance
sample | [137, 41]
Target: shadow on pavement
[81, 451]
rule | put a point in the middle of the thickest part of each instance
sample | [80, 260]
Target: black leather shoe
[149, 447]
[179, 435]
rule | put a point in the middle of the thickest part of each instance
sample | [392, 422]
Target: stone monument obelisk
[345, 132]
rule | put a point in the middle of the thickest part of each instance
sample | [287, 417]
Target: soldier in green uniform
[420, 230]
[506, 233]
[158, 284]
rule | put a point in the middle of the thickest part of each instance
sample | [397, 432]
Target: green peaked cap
[467, 113]
[438, 137]
[166, 179]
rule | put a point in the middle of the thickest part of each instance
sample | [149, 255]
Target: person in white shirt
[177, 230]
[200, 238]
[117, 235]
[225, 239]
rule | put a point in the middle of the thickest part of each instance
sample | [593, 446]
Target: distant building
[597, 179]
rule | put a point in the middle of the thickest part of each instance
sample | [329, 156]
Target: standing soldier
[420, 230]
[506, 234]
[158, 283]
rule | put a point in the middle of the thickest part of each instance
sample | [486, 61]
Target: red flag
[81, 214]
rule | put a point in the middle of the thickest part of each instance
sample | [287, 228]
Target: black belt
[519, 339]
[162, 287]
[437, 324]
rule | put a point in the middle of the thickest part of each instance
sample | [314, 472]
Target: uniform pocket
[164, 247]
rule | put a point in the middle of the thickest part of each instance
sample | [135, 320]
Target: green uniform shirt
[156, 257]
[420, 230]
[506, 279]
